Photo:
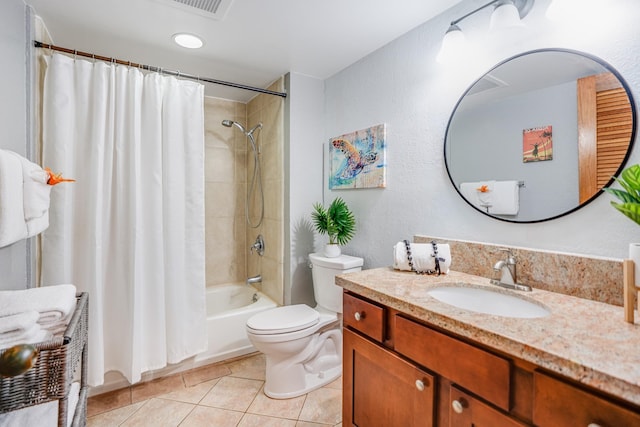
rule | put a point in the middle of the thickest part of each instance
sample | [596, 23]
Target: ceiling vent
[488, 82]
[216, 9]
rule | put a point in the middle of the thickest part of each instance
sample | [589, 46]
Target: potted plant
[337, 221]
[630, 194]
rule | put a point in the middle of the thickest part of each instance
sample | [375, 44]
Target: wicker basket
[50, 379]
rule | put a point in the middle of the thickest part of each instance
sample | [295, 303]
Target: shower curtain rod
[157, 69]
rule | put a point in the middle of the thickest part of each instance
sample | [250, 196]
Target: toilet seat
[282, 320]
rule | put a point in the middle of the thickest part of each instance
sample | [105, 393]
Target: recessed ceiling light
[188, 40]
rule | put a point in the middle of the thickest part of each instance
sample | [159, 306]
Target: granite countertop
[584, 340]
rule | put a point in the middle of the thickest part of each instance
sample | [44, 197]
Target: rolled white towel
[422, 255]
[34, 335]
[54, 303]
[18, 323]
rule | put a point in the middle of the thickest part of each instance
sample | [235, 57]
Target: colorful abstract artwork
[537, 144]
[357, 159]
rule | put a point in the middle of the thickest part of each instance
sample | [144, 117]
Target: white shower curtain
[130, 230]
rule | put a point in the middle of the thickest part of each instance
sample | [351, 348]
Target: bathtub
[229, 306]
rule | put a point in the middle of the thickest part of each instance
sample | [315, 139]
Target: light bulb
[453, 44]
[504, 16]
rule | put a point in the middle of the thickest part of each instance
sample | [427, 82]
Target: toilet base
[317, 365]
[312, 382]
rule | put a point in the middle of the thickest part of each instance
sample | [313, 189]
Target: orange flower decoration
[56, 178]
[483, 189]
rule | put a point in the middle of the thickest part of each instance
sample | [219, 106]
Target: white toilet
[303, 345]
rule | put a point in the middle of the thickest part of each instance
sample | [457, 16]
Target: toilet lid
[280, 320]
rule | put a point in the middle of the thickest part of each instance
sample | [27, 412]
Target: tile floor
[220, 395]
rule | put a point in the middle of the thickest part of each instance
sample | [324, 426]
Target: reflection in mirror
[540, 135]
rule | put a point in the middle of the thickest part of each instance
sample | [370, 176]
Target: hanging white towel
[506, 198]
[36, 197]
[482, 199]
[12, 224]
[500, 197]
[24, 198]
[422, 256]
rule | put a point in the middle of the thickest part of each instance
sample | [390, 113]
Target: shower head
[229, 123]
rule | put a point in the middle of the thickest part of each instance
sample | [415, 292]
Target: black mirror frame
[601, 190]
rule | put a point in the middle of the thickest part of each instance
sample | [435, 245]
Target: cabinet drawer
[476, 370]
[465, 410]
[557, 404]
[363, 316]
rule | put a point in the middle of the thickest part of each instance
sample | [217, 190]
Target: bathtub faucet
[254, 279]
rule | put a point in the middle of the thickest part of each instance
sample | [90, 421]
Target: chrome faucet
[508, 272]
[254, 279]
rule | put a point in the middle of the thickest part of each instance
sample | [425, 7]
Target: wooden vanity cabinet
[402, 372]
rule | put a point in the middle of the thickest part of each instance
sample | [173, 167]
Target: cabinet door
[383, 390]
[467, 411]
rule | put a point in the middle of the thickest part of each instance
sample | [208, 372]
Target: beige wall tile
[225, 164]
[220, 165]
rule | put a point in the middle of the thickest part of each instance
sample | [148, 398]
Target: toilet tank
[323, 271]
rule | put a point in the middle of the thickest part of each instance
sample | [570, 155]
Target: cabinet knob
[593, 425]
[359, 316]
[458, 406]
[420, 385]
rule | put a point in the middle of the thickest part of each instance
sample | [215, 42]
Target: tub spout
[254, 279]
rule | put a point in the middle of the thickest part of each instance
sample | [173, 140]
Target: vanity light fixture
[190, 41]
[506, 13]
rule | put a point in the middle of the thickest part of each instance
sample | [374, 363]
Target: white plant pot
[332, 250]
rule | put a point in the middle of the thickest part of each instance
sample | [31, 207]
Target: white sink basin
[489, 302]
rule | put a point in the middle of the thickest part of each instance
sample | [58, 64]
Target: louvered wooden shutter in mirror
[604, 130]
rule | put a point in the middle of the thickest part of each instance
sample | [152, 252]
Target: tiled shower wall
[225, 187]
[228, 172]
[269, 110]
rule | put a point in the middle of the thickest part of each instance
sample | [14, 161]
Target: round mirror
[540, 135]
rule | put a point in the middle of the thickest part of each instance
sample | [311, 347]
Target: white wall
[15, 264]
[303, 181]
[403, 86]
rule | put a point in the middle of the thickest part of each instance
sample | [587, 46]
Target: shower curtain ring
[93, 57]
[75, 54]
